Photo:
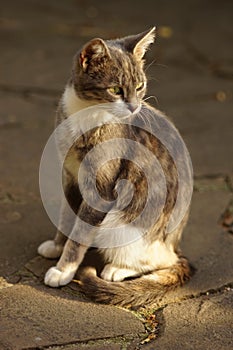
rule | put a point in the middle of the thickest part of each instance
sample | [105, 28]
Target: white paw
[121, 274]
[55, 277]
[49, 249]
[108, 272]
[115, 274]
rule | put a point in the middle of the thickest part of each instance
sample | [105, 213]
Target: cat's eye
[140, 86]
[116, 90]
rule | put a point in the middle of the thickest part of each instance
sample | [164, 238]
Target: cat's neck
[72, 103]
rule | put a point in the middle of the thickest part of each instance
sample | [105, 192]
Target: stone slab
[31, 317]
[207, 246]
[205, 243]
[25, 125]
[203, 323]
[102, 346]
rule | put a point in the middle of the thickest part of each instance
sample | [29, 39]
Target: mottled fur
[112, 71]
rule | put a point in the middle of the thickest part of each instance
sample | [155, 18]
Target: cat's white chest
[84, 114]
[72, 103]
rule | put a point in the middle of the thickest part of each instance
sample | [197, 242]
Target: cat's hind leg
[52, 249]
[117, 274]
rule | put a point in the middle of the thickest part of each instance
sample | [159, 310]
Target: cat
[141, 271]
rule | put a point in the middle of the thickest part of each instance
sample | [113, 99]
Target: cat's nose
[132, 107]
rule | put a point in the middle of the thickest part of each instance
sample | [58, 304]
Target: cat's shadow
[95, 259]
[38, 267]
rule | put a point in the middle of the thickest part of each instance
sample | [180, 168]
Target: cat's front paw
[49, 249]
[55, 277]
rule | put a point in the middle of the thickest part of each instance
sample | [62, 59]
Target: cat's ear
[139, 44]
[93, 50]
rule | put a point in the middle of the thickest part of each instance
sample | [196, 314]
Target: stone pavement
[192, 80]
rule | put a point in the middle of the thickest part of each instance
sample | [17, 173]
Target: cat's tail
[146, 290]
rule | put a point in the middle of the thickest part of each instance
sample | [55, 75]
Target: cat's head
[112, 71]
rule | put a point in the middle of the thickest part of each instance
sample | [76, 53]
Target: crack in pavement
[229, 182]
[211, 176]
[121, 339]
[224, 288]
[29, 90]
[200, 307]
[142, 315]
[213, 182]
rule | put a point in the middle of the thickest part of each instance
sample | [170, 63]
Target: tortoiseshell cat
[112, 71]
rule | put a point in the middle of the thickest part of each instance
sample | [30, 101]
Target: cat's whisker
[153, 79]
[161, 65]
[148, 97]
[149, 65]
[152, 96]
